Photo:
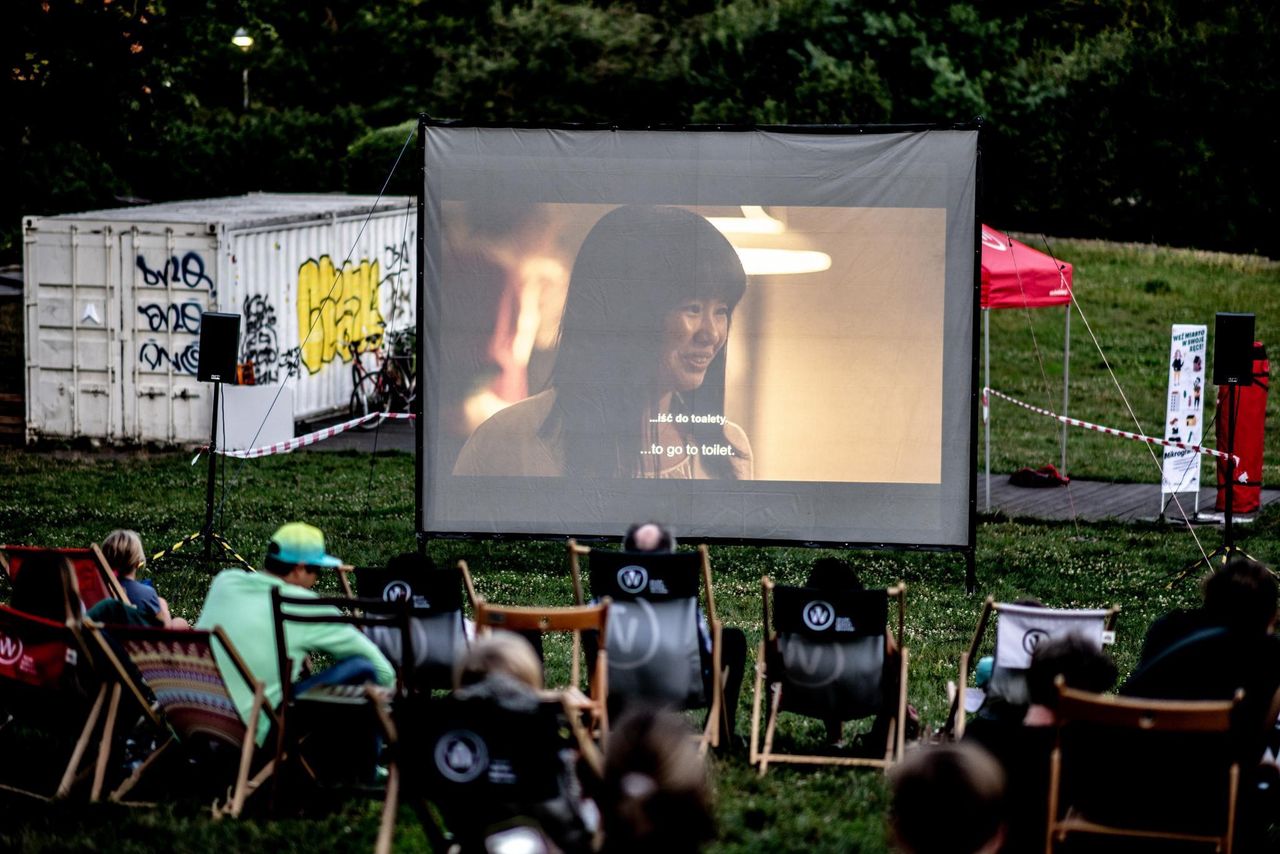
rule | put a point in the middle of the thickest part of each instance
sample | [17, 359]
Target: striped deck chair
[94, 576]
[180, 669]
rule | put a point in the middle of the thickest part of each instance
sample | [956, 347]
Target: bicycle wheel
[366, 397]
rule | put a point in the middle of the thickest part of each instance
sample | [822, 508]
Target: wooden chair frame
[717, 714]
[364, 612]
[954, 726]
[1140, 716]
[575, 619]
[895, 739]
[78, 638]
[92, 553]
[245, 784]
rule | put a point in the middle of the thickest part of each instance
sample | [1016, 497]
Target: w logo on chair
[461, 756]
[10, 649]
[819, 615]
[633, 579]
[397, 591]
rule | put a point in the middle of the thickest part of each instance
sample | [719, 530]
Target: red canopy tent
[1016, 276]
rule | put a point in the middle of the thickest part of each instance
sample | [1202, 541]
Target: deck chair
[823, 656]
[437, 622]
[182, 672]
[47, 681]
[94, 576]
[489, 762]
[1020, 629]
[655, 646]
[1153, 769]
[292, 744]
[576, 619]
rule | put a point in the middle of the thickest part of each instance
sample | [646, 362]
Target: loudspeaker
[1232, 349]
[219, 344]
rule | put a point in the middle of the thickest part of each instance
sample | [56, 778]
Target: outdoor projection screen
[751, 335]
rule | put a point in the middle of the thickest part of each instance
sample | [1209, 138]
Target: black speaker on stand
[1232, 368]
[219, 345]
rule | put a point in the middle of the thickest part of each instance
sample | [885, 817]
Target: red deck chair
[96, 580]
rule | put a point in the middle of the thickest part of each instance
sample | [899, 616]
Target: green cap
[298, 542]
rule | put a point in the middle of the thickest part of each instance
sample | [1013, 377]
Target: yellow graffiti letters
[342, 304]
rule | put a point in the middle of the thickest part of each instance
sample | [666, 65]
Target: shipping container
[114, 299]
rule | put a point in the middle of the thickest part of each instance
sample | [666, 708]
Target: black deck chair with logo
[437, 621]
[823, 656]
[493, 757]
[655, 646]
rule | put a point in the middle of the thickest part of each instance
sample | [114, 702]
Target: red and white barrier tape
[310, 438]
[1110, 431]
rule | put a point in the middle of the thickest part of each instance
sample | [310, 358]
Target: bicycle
[391, 386]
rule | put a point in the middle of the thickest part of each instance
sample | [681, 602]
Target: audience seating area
[643, 631]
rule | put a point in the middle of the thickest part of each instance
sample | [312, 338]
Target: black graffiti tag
[177, 317]
[154, 355]
[260, 344]
[190, 271]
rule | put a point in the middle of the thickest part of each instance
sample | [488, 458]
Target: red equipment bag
[1251, 414]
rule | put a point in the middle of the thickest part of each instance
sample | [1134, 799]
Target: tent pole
[1066, 379]
[986, 406]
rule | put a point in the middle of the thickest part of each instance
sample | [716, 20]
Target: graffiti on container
[156, 357]
[175, 317]
[189, 271]
[396, 275]
[337, 307]
[259, 344]
[291, 362]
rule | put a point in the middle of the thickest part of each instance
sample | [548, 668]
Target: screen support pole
[207, 533]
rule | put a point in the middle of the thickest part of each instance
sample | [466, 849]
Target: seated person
[239, 602]
[654, 795]
[655, 538]
[948, 800]
[47, 587]
[1208, 653]
[833, 573]
[1023, 749]
[498, 652]
[124, 554]
[1005, 697]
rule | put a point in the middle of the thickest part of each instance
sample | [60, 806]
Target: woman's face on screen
[694, 332]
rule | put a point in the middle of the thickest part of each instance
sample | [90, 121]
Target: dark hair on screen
[635, 265]
[1241, 595]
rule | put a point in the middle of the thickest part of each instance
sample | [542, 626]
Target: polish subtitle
[683, 418]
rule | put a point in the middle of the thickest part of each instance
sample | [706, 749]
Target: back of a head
[948, 800]
[1242, 596]
[655, 795]
[498, 652]
[649, 537]
[833, 573]
[123, 550]
[411, 562]
[46, 587]
[1081, 665]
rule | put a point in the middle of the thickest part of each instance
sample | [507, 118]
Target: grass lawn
[365, 505]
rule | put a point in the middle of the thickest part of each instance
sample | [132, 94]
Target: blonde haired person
[499, 652]
[124, 553]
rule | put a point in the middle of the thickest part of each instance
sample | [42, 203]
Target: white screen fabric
[751, 335]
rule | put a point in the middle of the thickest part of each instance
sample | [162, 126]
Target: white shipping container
[114, 301]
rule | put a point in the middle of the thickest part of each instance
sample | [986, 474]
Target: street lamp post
[244, 41]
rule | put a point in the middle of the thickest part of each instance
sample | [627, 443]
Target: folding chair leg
[90, 724]
[902, 706]
[387, 825]
[773, 725]
[127, 786]
[104, 748]
[753, 755]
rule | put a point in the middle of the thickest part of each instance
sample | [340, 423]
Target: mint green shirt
[240, 603]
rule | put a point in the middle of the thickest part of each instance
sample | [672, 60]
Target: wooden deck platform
[1093, 501]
